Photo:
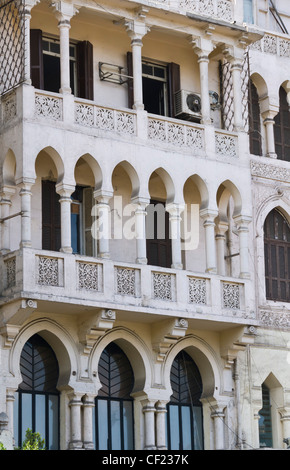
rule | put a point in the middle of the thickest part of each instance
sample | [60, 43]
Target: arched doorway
[184, 420]
[36, 403]
[114, 423]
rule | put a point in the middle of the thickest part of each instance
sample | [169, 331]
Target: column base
[89, 446]
[25, 244]
[271, 155]
[177, 266]
[141, 260]
[76, 445]
[104, 255]
[65, 91]
[66, 249]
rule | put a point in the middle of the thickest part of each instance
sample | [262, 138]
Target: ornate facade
[145, 210]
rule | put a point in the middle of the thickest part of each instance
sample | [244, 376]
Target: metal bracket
[112, 73]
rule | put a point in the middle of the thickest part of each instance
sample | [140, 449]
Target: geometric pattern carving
[105, 118]
[270, 171]
[275, 319]
[177, 134]
[270, 44]
[231, 295]
[125, 280]
[197, 291]
[214, 8]
[48, 271]
[9, 107]
[89, 276]
[163, 286]
[10, 265]
[48, 106]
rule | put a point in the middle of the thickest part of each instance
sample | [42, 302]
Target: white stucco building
[120, 329]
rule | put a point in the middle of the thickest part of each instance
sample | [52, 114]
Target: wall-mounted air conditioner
[187, 105]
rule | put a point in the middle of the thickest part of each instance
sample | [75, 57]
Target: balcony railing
[74, 279]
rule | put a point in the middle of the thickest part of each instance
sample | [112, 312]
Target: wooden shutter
[130, 81]
[282, 128]
[173, 71]
[159, 249]
[85, 70]
[51, 227]
[36, 58]
[254, 121]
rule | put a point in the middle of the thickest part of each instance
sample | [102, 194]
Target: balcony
[74, 283]
[38, 107]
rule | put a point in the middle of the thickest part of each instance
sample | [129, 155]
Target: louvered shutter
[36, 59]
[51, 226]
[130, 80]
[173, 71]
[85, 69]
[159, 249]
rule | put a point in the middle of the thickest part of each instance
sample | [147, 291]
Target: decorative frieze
[278, 318]
[274, 45]
[270, 171]
[197, 291]
[163, 286]
[222, 9]
[9, 107]
[47, 106]
[89, 276]
[230, 295]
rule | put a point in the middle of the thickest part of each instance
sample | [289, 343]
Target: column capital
[64, 12]
[136, 30]
[201, 46]
[6, 192]
[234, 54]
[242, 221]
[65, 190]
[103, 196]
[175, 209]
[208, 214]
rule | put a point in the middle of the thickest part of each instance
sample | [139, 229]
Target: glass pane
[248, 11]
[75, 232]
[53, 421]
[147, 69]
[54, 47]
[102, 425]
[159, 72]
[128, 425]
[26, 413]
[197, 427]
[186, 428]
[174, 427]
[115, 425]
[40, 415]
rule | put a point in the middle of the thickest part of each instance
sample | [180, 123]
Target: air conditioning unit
[187, 105]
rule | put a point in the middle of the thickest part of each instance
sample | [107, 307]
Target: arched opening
[114, 422]
[282, 128]
[161, 190]
[184, 420]
[277, 256]
[265, 421]
[36, 405]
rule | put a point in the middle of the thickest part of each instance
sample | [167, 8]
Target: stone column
[27, 18]
[75, 421]
[221, 229]
[175, 211]
[5, 202]
[202, 47]
[242, 223]
[65, 191]
[102, 224]
[25, 194]
[209, 226]
[136, 30]
[88, 408]
[268, 120]
[218, 418]
[10, 398]
[161, 425]
[64, 12]
[149, 427]
[140, 229]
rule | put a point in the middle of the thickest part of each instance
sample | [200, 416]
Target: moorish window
[114, 424]
[277, 256]
[184, 417]
[36, 403]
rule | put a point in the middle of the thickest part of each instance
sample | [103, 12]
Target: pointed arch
[9, 169]
[133, 176]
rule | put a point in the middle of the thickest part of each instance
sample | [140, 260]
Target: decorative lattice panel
[12, 43]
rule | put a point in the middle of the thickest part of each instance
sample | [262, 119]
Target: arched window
[265, 421]
[184, 417]
[277, 256]
[37, 398]
[282, 128]
[114, 405]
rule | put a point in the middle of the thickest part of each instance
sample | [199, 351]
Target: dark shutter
[173, 86]
[282, 128]
[254, 121]
[36, 58]
[85, 70]
[130, 80]
[51, 229]
[159, 249]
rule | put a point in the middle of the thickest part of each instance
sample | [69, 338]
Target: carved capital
[94, 327]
